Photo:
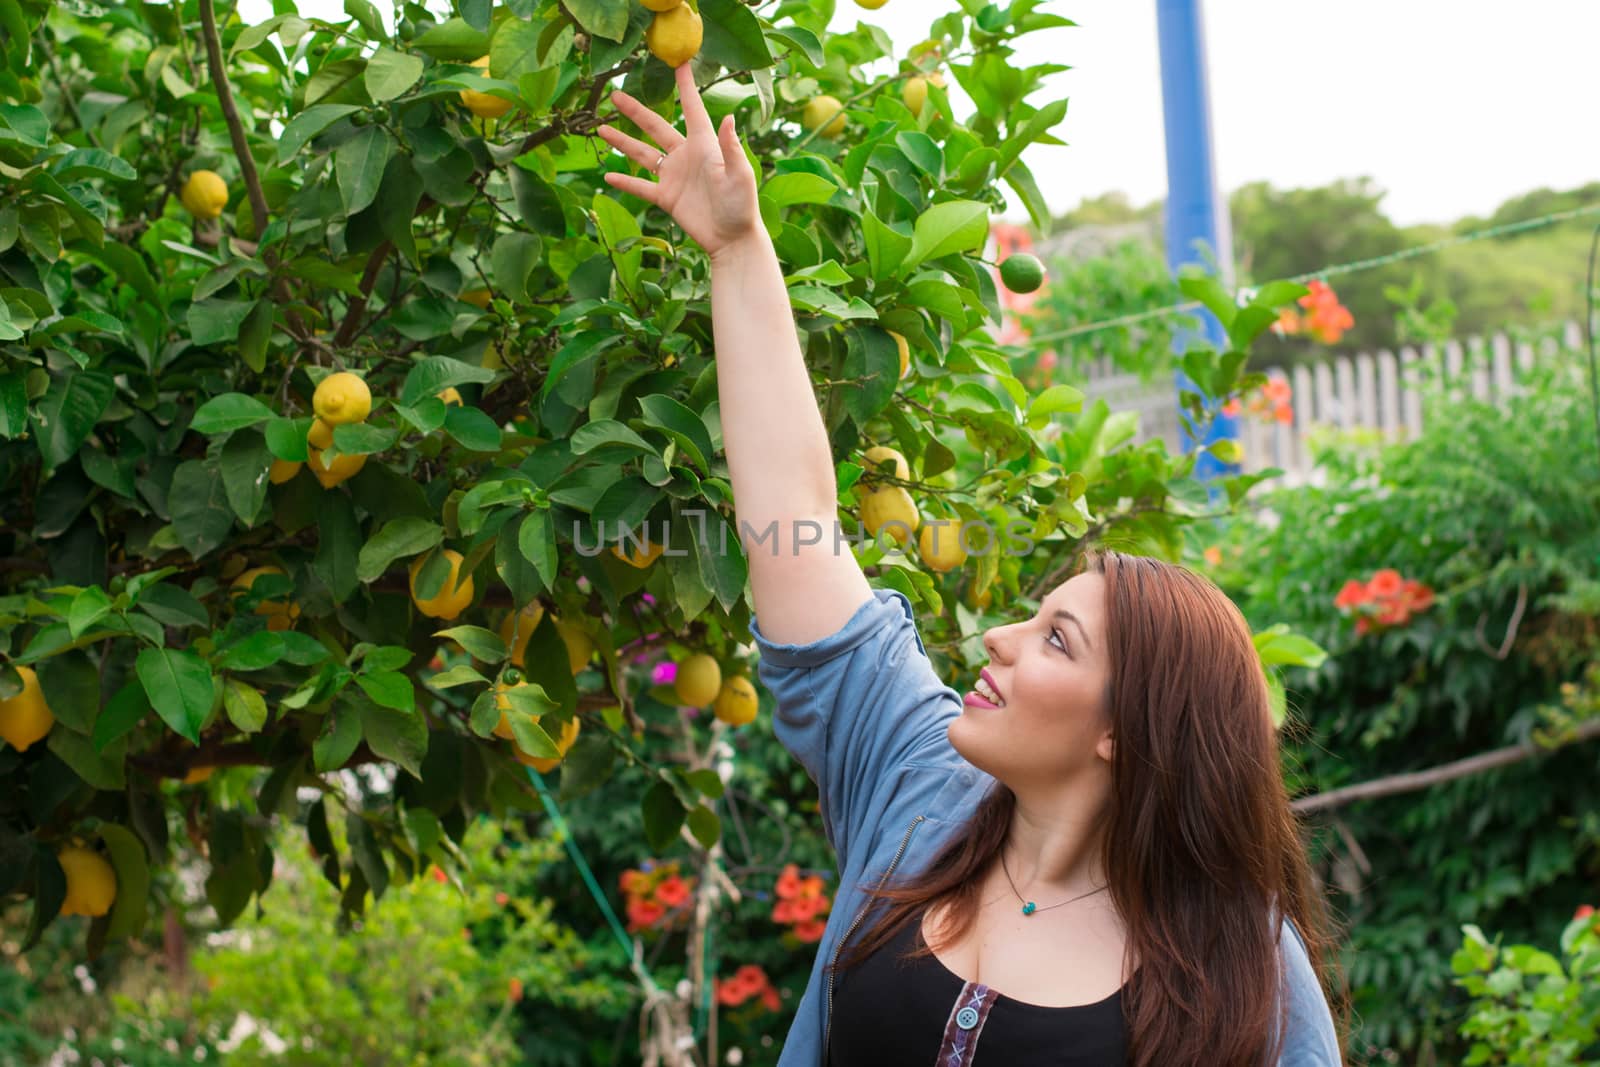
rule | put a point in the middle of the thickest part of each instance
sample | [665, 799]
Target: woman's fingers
[632, 147]
[694, 108]
[733, 156]
[644, 190]
[658, 128]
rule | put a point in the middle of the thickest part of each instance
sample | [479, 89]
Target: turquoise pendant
[1028, 908]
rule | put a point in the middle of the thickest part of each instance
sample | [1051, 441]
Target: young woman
[1090, 859]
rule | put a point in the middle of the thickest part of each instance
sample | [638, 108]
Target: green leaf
[1197, 284]
[13, 405]
[514, 51]
[307, 124]
[359, 164]
[398, 736]
[472, 429]
[460, 674]
[339, 738]
[91, 163]
[68, 412]
[244, 705]
[367, 15]
[88, 608]
[948, 228]
[254, 335]
[245, 462]
[255, 652]
[201, 517]
[537, 542]
[514, 258]
[733, 37]
[607, 432]
[1278, 647]
[391, 689]
[363, 439]
[681, 424]
[339, 82]
[286, 438]
[663, 815]
[172, 605]
[180, 687]
[129, 909]
[799, 187]
[390, 73]
[103, 770]
[602, 18]
[434, 374]
[1055, 399]
[872, 356]
[397, 539]
[704, 825]
[482, 644]
[229, 412]
[213, 322]
[1038, 124]
[71, 686]
[453, 41]
[338, 547]
[120, 715]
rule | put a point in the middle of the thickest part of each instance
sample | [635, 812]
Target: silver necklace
[1028, 906]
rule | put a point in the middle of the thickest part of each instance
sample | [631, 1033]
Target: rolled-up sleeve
[1310, 1038]
[856, 707]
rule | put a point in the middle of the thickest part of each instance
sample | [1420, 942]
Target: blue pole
[1196, 215]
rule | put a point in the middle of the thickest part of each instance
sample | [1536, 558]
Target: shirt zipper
[827, 1031]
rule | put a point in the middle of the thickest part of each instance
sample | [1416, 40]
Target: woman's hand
[704, 181]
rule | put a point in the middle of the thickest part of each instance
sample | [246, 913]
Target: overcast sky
[1452, 106]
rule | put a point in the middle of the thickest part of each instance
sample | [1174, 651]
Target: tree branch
[1412, 781]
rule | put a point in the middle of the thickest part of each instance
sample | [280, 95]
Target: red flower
[514, 989]
[501, 899]
[770, 999]
[751, 978]
[810, 930]
[1386, 583]
[1354, 594]
[634, 881]
[803, 909]
[439, 875]
[1584, 911]
[812, 886]
[1232, 408]
[1283, 413]
[1394, 614]
[729, 994]
[783, 912]
[672, 892]
[1277, 390]
[1417, 597]
[789, 882]
[644, 913]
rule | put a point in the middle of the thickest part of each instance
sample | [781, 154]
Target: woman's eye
[1056, 634]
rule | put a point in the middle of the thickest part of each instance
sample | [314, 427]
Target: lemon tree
[330, 365]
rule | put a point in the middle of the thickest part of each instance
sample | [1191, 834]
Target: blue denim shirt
[864, 712]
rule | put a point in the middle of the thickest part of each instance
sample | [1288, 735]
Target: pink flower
[666, 673]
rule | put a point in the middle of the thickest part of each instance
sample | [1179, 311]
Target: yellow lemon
[737, 703]
[282, 470]
[503, 702]
[451, 396]
[915, 93]
[878, 454]
[337, 470]
[871, 5]
[824, 112]
[197, 775]
[280, 614]
[91, 882]
[320, 435]
[25, 718]
[675, 35]
[524, 622]
[569, 734]
[477, 297]
[659, 6]
[891, 507]
[205, 194]
[580, 646]
[905, 352]
[484, 105]
[699, 680]
[640, 558]
[342, 398]
[940, 545]
[453, 598]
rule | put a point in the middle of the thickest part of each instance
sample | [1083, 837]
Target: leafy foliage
[1495, 508]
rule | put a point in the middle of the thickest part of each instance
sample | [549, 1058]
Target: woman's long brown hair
[1199, 842]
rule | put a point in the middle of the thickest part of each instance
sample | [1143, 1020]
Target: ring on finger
[660, 162]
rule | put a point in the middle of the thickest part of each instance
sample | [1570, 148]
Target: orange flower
[1386, 583]
[1416, 596]
[1394, 614]
[1277, 390]
[810, 930]
[1283, 413]
[804, 909]
[1232, 408]
[812, 886]
[1354, 594]
[770, 999]
[500, 899]
[634, 881]
[439, 875]
[514, 989]
[1213, 556]
[644, 913]
[672, 892]
[783, 911]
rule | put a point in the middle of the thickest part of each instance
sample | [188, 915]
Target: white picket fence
[1373, 391]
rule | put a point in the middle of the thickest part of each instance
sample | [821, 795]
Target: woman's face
[1050, 672]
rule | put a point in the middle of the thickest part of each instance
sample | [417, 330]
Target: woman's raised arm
[778, 456]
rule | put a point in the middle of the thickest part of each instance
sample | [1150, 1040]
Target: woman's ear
[1105, 747]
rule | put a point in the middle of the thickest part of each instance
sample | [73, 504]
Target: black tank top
[890, 1012]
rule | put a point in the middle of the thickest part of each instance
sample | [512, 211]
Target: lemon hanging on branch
[484, 105]
[659, 6]
[569, 734]
[91, 882]
[342, 398]
[675, 35]
[892, 508]
[25, 718]
[452, 599]
[205, 194]
[824, 114]
[879, 454]
[699, 680]
[1022, 273]
[737, 703]
[915, 93]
